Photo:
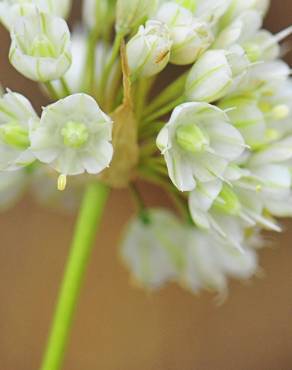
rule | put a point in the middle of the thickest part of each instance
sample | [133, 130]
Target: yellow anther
[62, 182]
[258, 188]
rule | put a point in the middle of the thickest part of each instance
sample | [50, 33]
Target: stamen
[62, 182]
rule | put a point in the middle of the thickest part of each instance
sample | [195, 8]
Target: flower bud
[148, 51]
[210, 78]
[132, 13]
[189, 42]
[215, 74]
[37, 50]
[11, 10]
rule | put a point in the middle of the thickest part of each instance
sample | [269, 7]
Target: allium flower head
[73, 136]
[215, 135]
[40, 47]
[16, 114]
[198, 143]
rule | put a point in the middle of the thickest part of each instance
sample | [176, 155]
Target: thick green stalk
[88, 221]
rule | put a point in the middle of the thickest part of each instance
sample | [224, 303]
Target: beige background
[119, 327]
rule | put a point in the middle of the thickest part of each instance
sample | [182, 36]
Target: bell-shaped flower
[213, 205]
[198, 143]
[209, 262]
[11, 10]
[132, 13]
[16, 114]
[153, 248]
[215, 74]
[74, 136]
[149, 50]
[40, 47]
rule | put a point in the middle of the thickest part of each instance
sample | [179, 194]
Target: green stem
[89, 218]
[171, 92]
[51, 90]
[89, 83]
[111, 61]
[65, 86]
[164, 110]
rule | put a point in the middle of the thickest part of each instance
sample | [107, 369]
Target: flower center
[75, 134]
[191, 138]
[253, 51]
[227, 201]
[42, 47]
[15, 135]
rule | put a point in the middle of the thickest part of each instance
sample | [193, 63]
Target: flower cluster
[191, 95]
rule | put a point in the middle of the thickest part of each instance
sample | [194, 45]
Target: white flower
[209, 262]
[11, 10]
[40, 48]
[215, 74]
[131, 13]
[152, 248]
[16, 113]
[211, 10]
[242, 29]
[149, 50]
[214, 206]
[74, 136]
[12, 187]
[198, 143]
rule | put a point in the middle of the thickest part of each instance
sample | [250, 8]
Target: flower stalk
[89, 218]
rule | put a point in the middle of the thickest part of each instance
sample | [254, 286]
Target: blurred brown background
[119, 327]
